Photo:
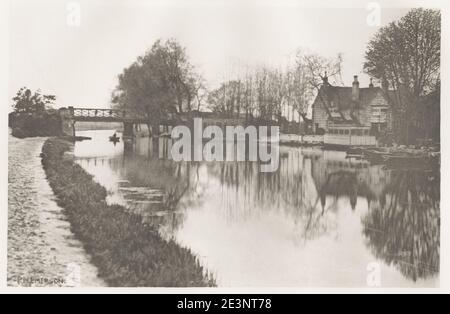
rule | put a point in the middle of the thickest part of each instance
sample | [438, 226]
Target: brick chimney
[371, 83]
[325, 79]
[355, 89]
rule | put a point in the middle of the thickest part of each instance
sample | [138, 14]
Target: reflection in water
[345, 184]
[402, 227]
[318, 221]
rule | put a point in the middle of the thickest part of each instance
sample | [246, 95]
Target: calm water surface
[321, 221]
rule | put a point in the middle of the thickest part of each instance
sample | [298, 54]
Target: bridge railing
[100, 113]
[93, 114]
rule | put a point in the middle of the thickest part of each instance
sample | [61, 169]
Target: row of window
[379, 110]
[356, 132]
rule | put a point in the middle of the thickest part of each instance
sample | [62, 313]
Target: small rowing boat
[114, 139]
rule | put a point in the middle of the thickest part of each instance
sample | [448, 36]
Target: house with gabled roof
[351, 111]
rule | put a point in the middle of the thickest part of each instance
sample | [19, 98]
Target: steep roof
[340, 98]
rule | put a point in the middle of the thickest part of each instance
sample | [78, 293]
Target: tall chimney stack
[355, 89]
[325, 79]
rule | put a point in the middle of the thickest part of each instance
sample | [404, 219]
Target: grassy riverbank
[127, 253]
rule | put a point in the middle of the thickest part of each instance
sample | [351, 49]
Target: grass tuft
[126, 252]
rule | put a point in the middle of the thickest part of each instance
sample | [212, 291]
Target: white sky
[80, 65]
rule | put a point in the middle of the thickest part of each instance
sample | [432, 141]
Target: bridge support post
[67, 121]
[128, 130]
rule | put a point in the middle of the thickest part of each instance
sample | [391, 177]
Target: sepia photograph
[224, 144]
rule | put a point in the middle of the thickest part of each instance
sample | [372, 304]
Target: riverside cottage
[351, 115]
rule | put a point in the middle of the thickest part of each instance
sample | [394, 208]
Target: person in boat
[114, 137]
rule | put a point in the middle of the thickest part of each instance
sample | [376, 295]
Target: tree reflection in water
[403, 227]
[248, 193]
[177, 183]
[344, 184]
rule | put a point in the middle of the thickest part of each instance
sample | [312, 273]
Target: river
[321, 220]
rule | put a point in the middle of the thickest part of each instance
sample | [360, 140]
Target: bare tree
[321, 73]
[275, 94]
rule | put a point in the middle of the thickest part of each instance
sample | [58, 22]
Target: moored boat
[375, 155]
[409, 161]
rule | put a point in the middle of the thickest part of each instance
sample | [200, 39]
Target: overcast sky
[80, 65]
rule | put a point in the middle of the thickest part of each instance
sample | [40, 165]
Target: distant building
[352, 110]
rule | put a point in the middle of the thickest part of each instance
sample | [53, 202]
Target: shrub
[47, 124]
